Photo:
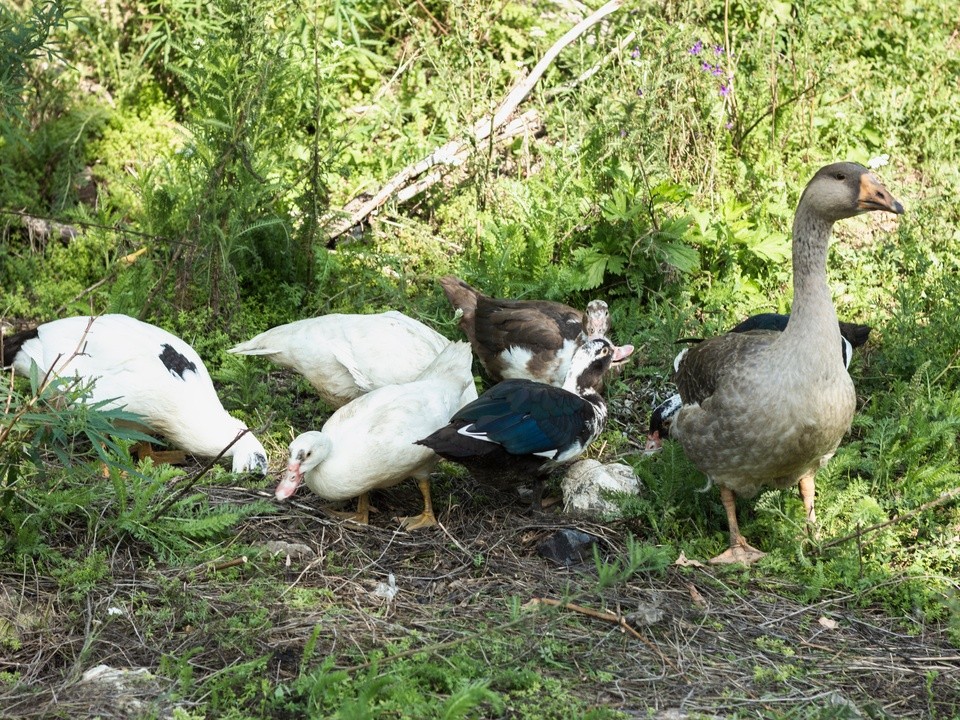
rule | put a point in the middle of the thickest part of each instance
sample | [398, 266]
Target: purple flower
[623, 133]
[706, 67]
[635, 53]
[717, 71]
[729, 126]
[697, 48]
[724, 90]
[718, 49]
[639, 92]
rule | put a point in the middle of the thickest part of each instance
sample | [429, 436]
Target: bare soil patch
[699, 639]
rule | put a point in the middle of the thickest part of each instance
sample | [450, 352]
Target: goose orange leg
[740, 551]
[807, 492]
[426, 518]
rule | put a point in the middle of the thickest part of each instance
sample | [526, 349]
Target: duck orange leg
[740, 551]
[426, 518]
[361, 516]
[171, 457]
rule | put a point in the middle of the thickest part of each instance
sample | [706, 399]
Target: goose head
[844, 189]
[591, 362]
[307, 452]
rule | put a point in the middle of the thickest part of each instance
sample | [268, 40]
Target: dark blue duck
[520, 430]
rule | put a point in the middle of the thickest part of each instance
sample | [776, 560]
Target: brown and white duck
[852, 335]
[769, 408]
[525, 339]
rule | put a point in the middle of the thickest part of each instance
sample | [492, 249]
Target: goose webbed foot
[742, 553]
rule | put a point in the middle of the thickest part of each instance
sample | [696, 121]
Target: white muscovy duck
[369, 443]
[145, 370]
[344, 356]
[521, 429]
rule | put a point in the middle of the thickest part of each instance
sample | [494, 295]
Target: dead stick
[215, 567]
[193, 481]
[610, 617]
[481, 130]
[945, 497]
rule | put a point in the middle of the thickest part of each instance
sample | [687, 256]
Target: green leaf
[679, 255]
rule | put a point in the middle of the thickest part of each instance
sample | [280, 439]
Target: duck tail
[455, 361]
[10, 345]
[461, 296]
[856, 334]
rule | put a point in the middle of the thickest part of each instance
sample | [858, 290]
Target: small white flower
[112, 610]
[878, 162]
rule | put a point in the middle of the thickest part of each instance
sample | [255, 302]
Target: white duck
[145, 370]
[369, 442]
[344, 356]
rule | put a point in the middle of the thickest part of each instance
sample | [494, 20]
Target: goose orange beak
[290, 482]
[874, 196]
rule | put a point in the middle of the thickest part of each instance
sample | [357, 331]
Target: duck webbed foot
[362, 514]
[426, 518]
[170, 457]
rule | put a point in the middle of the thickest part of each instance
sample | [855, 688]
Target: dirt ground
[686, 641]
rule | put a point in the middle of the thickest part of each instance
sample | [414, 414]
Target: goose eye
[840, 176]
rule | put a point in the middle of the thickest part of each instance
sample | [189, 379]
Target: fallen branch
[454, 152]
[38, 228]
[610, 617]
[945, 497]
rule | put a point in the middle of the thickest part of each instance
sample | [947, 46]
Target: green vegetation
[190, 163]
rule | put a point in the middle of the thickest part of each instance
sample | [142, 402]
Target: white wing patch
[467, 432]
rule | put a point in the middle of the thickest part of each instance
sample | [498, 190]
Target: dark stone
[567, 547]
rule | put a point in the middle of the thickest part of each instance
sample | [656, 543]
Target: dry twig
[614, 618]
[455, 151]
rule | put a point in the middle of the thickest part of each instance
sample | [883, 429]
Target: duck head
[596, 320]
[844, 189]
[591, 362]
[307, 451]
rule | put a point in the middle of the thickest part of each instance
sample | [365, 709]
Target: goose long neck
[812, 314]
